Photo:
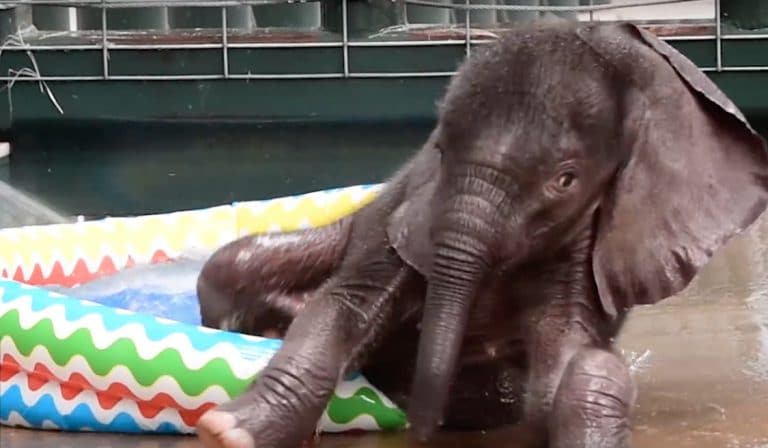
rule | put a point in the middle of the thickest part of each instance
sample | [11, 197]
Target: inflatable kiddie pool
[83, 365]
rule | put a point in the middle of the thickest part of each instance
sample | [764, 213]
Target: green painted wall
[281, 100]
[151, 168]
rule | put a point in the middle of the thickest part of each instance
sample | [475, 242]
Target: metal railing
[109, 40]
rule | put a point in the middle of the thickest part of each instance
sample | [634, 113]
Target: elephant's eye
[566, 180]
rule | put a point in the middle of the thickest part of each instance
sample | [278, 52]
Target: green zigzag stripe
[168, 362]
[121, 352]
[365, 401]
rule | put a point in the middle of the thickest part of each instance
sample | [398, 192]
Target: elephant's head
[558, 128]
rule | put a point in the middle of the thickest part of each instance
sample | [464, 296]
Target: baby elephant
[576, 170]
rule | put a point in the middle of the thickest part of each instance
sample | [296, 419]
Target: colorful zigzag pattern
[70, 254]
[76, 365]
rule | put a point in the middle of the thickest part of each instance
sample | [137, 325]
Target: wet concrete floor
[702, 372]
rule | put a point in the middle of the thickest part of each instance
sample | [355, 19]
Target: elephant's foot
[592, 404]
[217, 429]
[245, 421]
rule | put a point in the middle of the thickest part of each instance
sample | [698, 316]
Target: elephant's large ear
[408, 229]
[695, 175]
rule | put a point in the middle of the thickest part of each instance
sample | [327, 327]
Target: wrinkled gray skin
[576, 170]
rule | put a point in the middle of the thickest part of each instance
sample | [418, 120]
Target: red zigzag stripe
[77, 383]
[80, 273]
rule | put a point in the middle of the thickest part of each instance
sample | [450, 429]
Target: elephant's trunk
[462, 249]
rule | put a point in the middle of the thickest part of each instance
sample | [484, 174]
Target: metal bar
[72, 19]
[164, 77]
[287, 45]
[674, 38]
[467, 30]
[174, 77]
[51, 47]
[742, 68]
[231, 76]
[745, 68]
[49, 78]
[287, 76]
[224, 43]
[104, 50]
[115, 46]
[119, 4]
[410, 43]
[293, 76]
[256, 45]
[401, 74]
[345, 36]
[718, 37]
[585, 8]
[749, 36]
[219, 3]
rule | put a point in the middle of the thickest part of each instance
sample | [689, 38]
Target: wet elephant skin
[576, 171]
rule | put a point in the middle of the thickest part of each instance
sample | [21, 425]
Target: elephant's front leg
[326, 340]
[579, 392]
[591, 408]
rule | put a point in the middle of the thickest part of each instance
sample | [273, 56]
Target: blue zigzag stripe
[155, 330]
[80, 418]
